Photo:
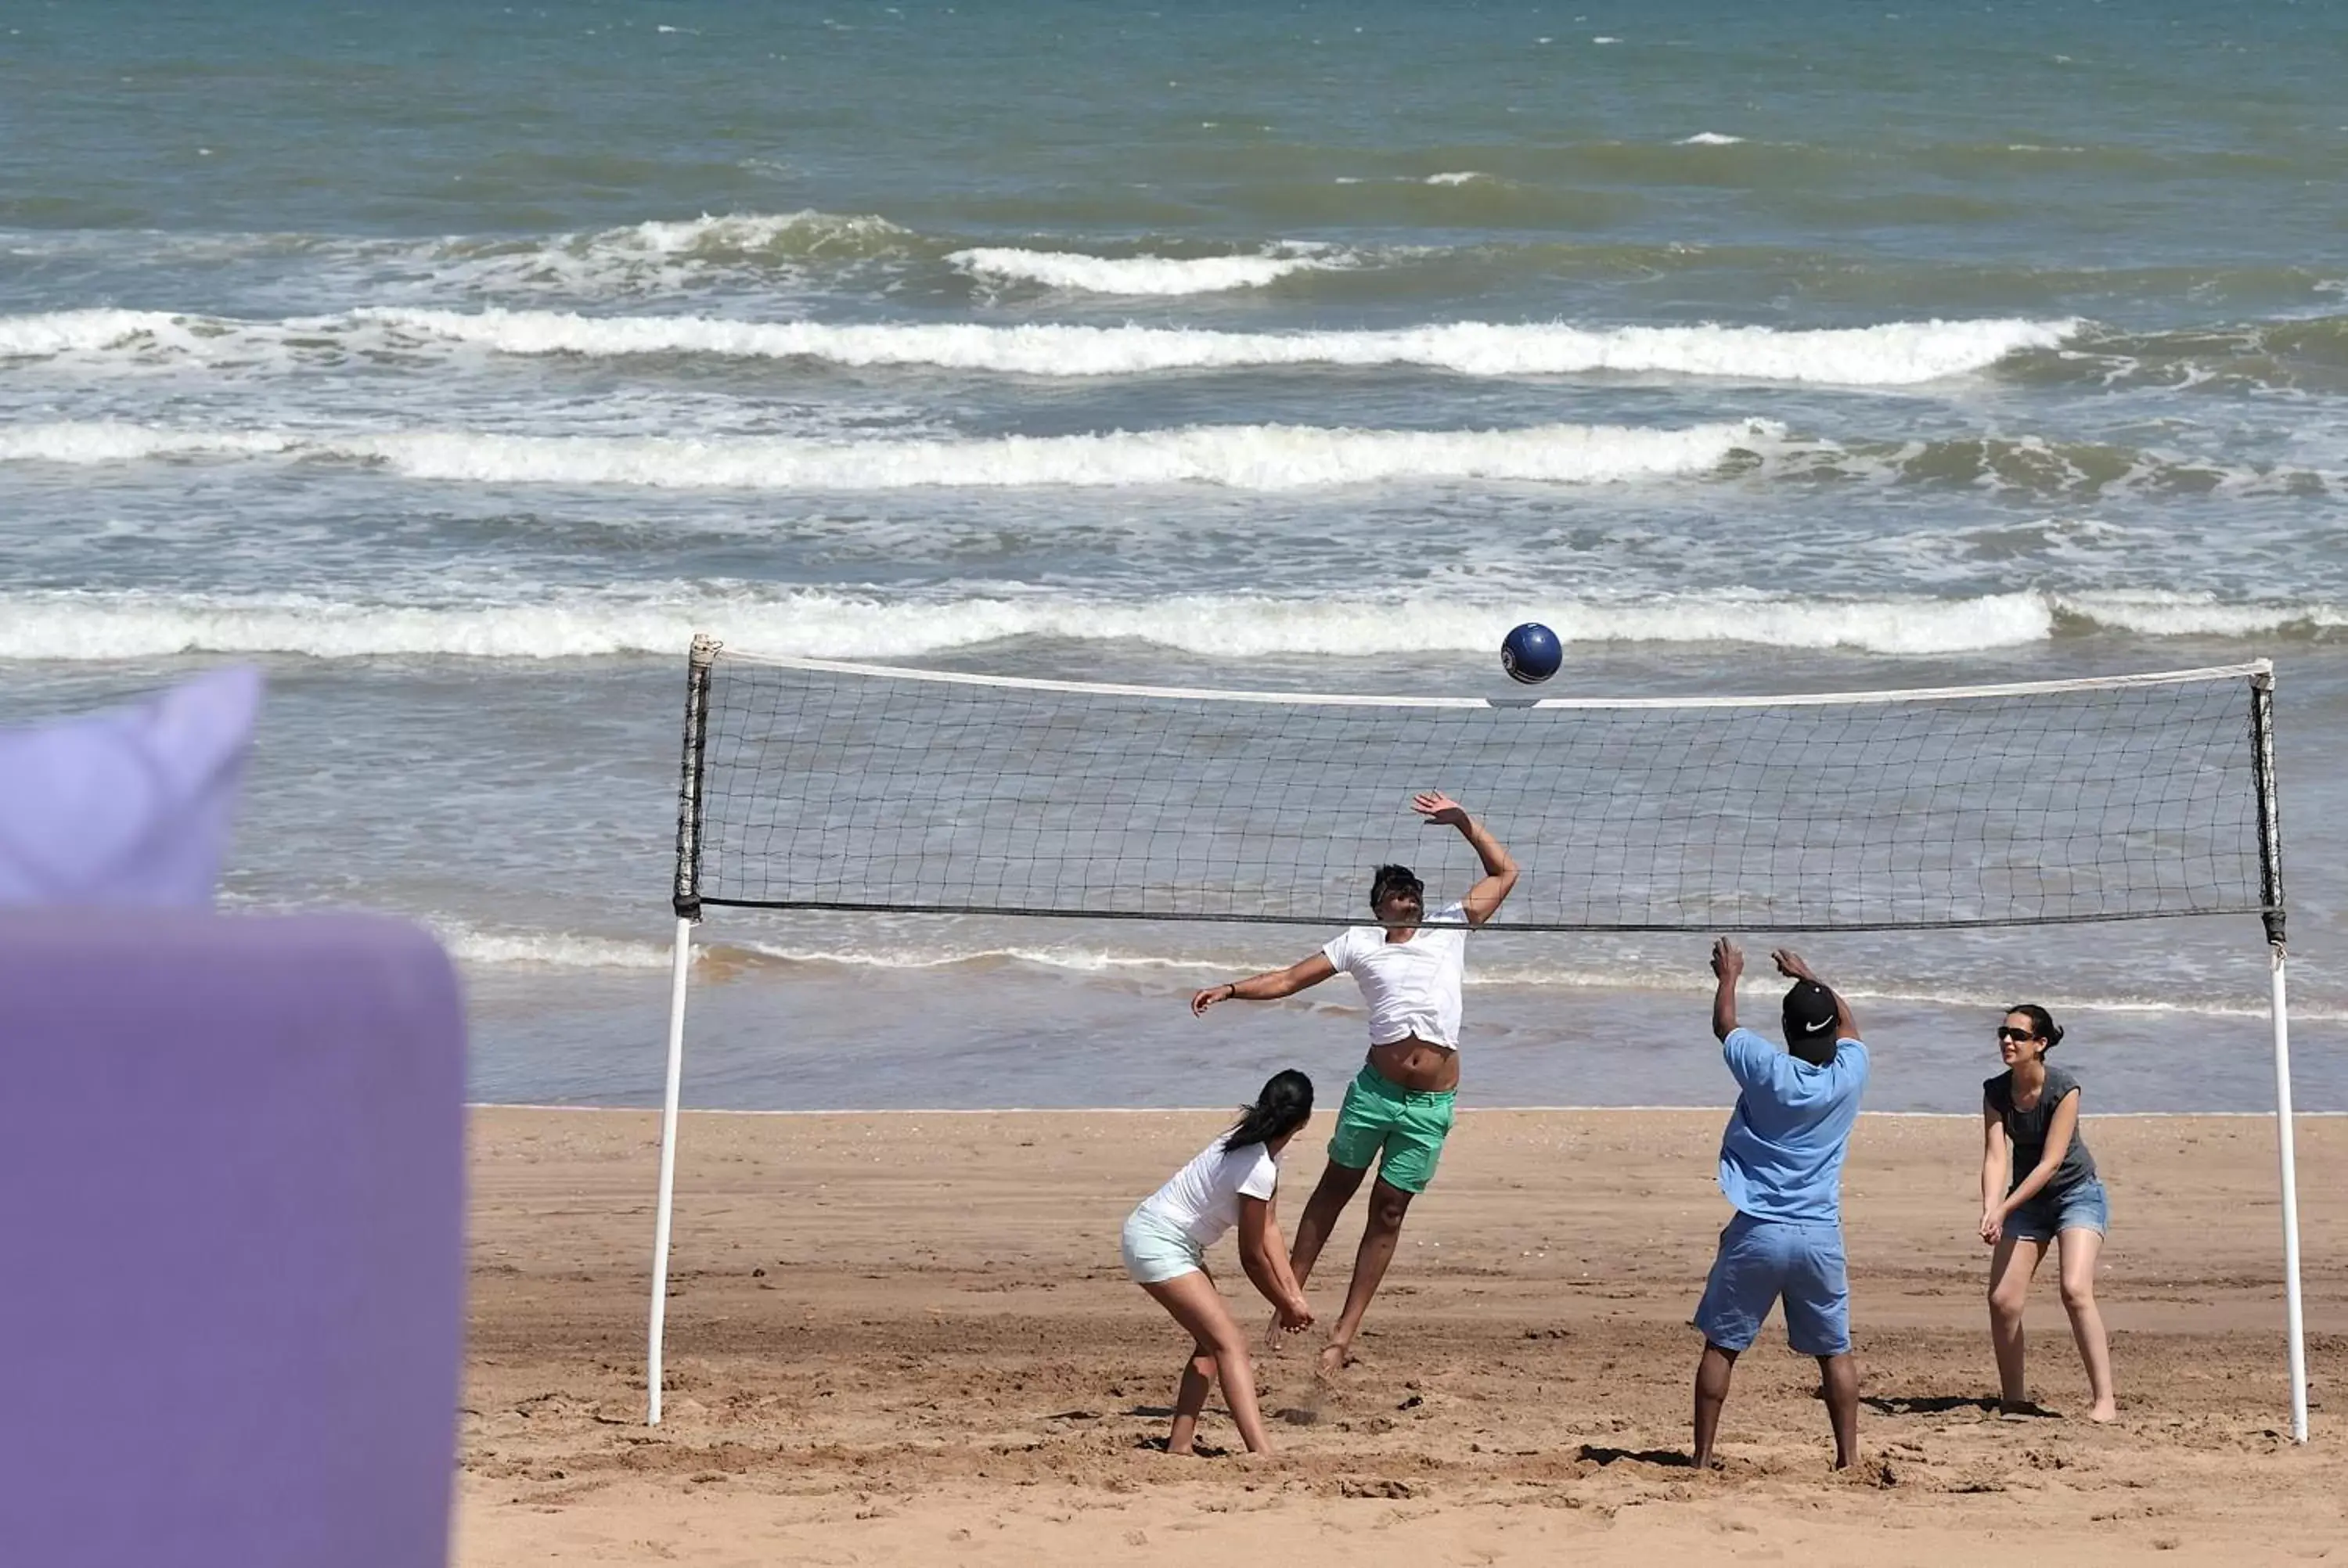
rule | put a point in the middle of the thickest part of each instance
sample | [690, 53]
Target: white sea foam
[803, 233]
[1244, 456]
[545, 950]
[52, 332]
[1154, 275]
[565, 950]
[1263, 457]
[655, 256]
[1711, 139]
[2157, 614]
[1459, 176]
[1896, 354]
[99, 442]
[1251, 457]
[107, 626]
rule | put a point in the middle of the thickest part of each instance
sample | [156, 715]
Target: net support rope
[820, 784]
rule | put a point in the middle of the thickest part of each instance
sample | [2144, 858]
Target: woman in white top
[1229, 1182]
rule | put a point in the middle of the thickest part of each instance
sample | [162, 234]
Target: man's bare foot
[1334, 1358]
[2106, 1412]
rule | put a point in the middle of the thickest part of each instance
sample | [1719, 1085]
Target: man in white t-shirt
[1398, 1110]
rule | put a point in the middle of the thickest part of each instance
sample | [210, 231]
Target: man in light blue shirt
[1781, 1164]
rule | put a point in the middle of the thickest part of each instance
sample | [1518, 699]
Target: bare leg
[1712, 1374]
[2080, 1247]
[1388, 1204]
[1199, 1307]
[2010, 1268]
[1841, 1376]
[1190, 1398]
[1336, 1189]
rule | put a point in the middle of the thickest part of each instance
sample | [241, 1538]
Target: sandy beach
[906, 1338]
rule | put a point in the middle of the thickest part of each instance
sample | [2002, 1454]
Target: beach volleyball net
[812, 785]
[817, 784]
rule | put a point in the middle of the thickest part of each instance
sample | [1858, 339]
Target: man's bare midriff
[1417, 1065]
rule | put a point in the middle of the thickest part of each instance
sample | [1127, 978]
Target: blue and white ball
[1532, 653]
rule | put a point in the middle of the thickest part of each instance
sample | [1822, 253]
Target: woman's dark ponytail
[1285, 1104]
[2042, 1023]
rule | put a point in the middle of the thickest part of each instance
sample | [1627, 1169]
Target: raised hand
[1439, 809]
[1727, 958]
[1791, 965]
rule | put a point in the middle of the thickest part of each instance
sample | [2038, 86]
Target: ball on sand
[1532, 653]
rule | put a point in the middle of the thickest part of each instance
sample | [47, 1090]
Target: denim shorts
[2085, 1207]
[1761, 1262]
[1157, 1250]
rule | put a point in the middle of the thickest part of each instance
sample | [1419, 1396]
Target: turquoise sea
[456, 362]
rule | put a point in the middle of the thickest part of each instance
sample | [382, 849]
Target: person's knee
[2005, 1298]
[1233, 1365]
[1388, 1208]
[2079, 1292]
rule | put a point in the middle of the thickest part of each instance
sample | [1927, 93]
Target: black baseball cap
[1810, 1014]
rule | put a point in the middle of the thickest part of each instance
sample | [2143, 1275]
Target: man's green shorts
[1401, 1129]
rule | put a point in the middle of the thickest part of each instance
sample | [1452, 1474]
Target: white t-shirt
[1202, 1199]
[1413, 988]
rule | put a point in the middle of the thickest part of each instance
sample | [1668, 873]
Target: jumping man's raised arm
[1484, 899]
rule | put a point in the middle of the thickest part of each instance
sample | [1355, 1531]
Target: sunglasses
[2007, 1032]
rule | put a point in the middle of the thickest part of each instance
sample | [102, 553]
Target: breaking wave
[1239, 456]
[1137, 275]
[83, 626]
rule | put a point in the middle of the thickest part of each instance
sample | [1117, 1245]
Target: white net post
[687, 904]
[2279, 1006]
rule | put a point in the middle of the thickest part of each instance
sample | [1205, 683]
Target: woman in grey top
[2039, 1186]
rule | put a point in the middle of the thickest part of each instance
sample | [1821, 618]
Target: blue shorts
[1761, 1261]
[2085, 1207]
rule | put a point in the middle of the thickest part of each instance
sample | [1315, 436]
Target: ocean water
[457, 363]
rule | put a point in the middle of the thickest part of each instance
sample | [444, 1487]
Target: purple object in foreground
[232, 1197]
[131, 805]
